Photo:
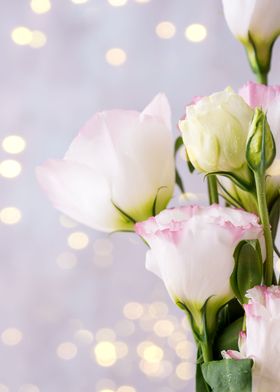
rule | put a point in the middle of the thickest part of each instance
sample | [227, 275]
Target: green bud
[260, 149]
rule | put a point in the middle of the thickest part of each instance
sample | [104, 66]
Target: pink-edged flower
[261, 342]
[267, 98]
[118, 165]
[255, 23]
[191, 250]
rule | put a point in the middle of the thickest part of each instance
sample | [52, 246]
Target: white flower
[256, 23]
[215, 132]
[117, 166]
[261, 342]
[192, 251]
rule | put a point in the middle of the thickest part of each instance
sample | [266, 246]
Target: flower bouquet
[217, 261]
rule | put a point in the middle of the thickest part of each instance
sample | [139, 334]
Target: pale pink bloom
[267, 98]
[261, 342]
[259, 18]
[119, 158]
[191, 249]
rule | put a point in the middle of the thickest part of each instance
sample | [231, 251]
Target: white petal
[80, 193]
[159, 107]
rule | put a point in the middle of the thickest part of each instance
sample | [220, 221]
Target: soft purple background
[46, 95]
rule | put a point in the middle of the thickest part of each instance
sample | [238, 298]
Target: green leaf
[200, 384]
[229, 375]
[179, 181]
[248, 268]
[228, 339]
[240, 182]
[260, 149]
[178, 143]
[274, 217]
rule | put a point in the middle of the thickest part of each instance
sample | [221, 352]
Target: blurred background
[78, 310]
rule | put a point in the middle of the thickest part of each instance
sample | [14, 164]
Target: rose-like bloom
[117, 170]
[191, 250]
[262, 338]
[215, 132]
[256, 23]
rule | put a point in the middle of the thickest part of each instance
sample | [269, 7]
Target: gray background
[46, 95]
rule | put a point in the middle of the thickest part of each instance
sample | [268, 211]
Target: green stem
[206, 351]
[264, 216]
[213, 189]
[262, 78]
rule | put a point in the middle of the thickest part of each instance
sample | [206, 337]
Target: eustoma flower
[191, 250]
[119, 170]
[262, 338]
[256, 23]
[215, 132]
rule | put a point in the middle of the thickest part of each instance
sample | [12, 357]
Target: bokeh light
[39, 39]
[13, 144]
[10, 168]
[10, 215]
[4, 388]
[79, 1]
[185, 370]
[163, 328]
[105, 353]
[116, 56]
[105, 334]
[40, 6]
[121, 349]
[11, 336]
[184, 349]
[66, 351]
[103, 247]
[165, 30]
[84, 336]
[196, 32]
[117, 3]
[78, 240]
[126, 388]
[21, 35]
[66, 260]
[133, 310]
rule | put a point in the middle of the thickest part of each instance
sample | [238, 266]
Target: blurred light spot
[75, 323]
[148, 368]
[153, 354]
[84, 336]
[10, 215]
[21, 35]
[142, 1]
[126, 388]
[11, 336]
[125, 328]
[79, 1]
[105, 353]
[103, 247]
[105, 385]
[186, 324]
[158, 309]
[66, 351]
[133, 310]
[163, 328]
[66, 260]
[165, 30]
[121, 349]
[196, 32]
[28, 388]
[4, 388]
[67, 222]
[78, 240]
[106, 390]
[13, 144]
[117, 3]
[39, 39]
[115, 56]
[10, 168]
[105, 334]
[184, 349]
[185, 370]
[40, 6]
